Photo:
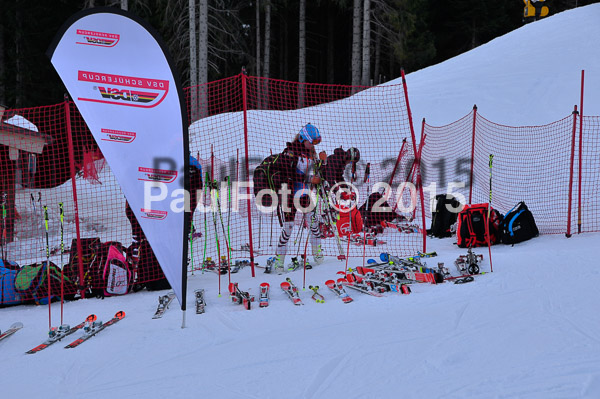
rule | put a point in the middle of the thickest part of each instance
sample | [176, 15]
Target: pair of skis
[358, 239]
[294, 294]
[240, 297]
[11, 330]
[164, 302]
[90, 326]
[390, 281]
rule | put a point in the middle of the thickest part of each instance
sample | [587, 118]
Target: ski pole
[62, 251]
[487, 225]
[48, 268]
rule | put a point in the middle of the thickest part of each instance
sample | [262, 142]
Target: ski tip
[264, 284]
[285, 285]
[385, 257]
[91, 318]
[120, 314]
[17, 324]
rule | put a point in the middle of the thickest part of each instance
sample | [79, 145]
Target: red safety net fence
[552, 168]
[50, 161]
[243, 121]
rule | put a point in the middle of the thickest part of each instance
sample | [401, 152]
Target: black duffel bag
[518, 225]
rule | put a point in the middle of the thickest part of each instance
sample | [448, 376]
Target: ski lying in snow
[402, 227]
[351, 282]
[240, 297]
[94, 328]
[11, 330]
[263, 299]
[389, 281]
[339, 291]
[60, 332]
[200, 302]
[316, 295]
[292, 291]
[358, 239]
[163, 304]
[465, 278]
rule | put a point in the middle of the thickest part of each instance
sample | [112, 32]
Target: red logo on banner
[160, 175]
[92, 38]
[118, 136]
[150, 214]
[124, 90]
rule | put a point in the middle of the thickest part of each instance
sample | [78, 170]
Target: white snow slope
[530, 329]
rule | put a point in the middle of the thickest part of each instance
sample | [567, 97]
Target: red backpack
[471, 231]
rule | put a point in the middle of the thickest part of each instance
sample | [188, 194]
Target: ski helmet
[353, 155]
[309, 133]
[194, 163]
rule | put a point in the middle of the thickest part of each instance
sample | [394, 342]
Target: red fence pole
[568, 234]
[249, 205]
[472, 154]
[580, 154]
[417, 155]
[76, 207]
[397, 161]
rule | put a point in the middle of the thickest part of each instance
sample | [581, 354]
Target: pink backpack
[116, 275]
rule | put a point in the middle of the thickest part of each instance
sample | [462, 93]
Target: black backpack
[442, 218]
[374, 217]
[518, 225]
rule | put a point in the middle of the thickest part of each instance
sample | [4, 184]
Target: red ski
[61, 332]
[338, 289]
[95, 328]
[263, 299]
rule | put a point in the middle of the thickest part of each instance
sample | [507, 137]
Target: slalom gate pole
[487, 225]
[4, 240]
[212, 203]
[305, 260]
[229, 213]
[367, 180]
[348, 248]
[227, 246]
[205, 223]
[62, 266]
[352, 179]
[191, 242]
[48, 268]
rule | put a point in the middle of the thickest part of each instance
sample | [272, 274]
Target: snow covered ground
[530, 329]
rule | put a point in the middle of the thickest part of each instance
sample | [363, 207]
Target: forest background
[357, 42]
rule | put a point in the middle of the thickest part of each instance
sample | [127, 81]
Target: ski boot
[443, 270]
[295, 265]
[209, 263]
[318, 257]
[279, 264]
[305, 262]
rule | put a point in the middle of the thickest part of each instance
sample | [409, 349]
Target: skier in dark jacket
[295, 169]
[333, 172]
